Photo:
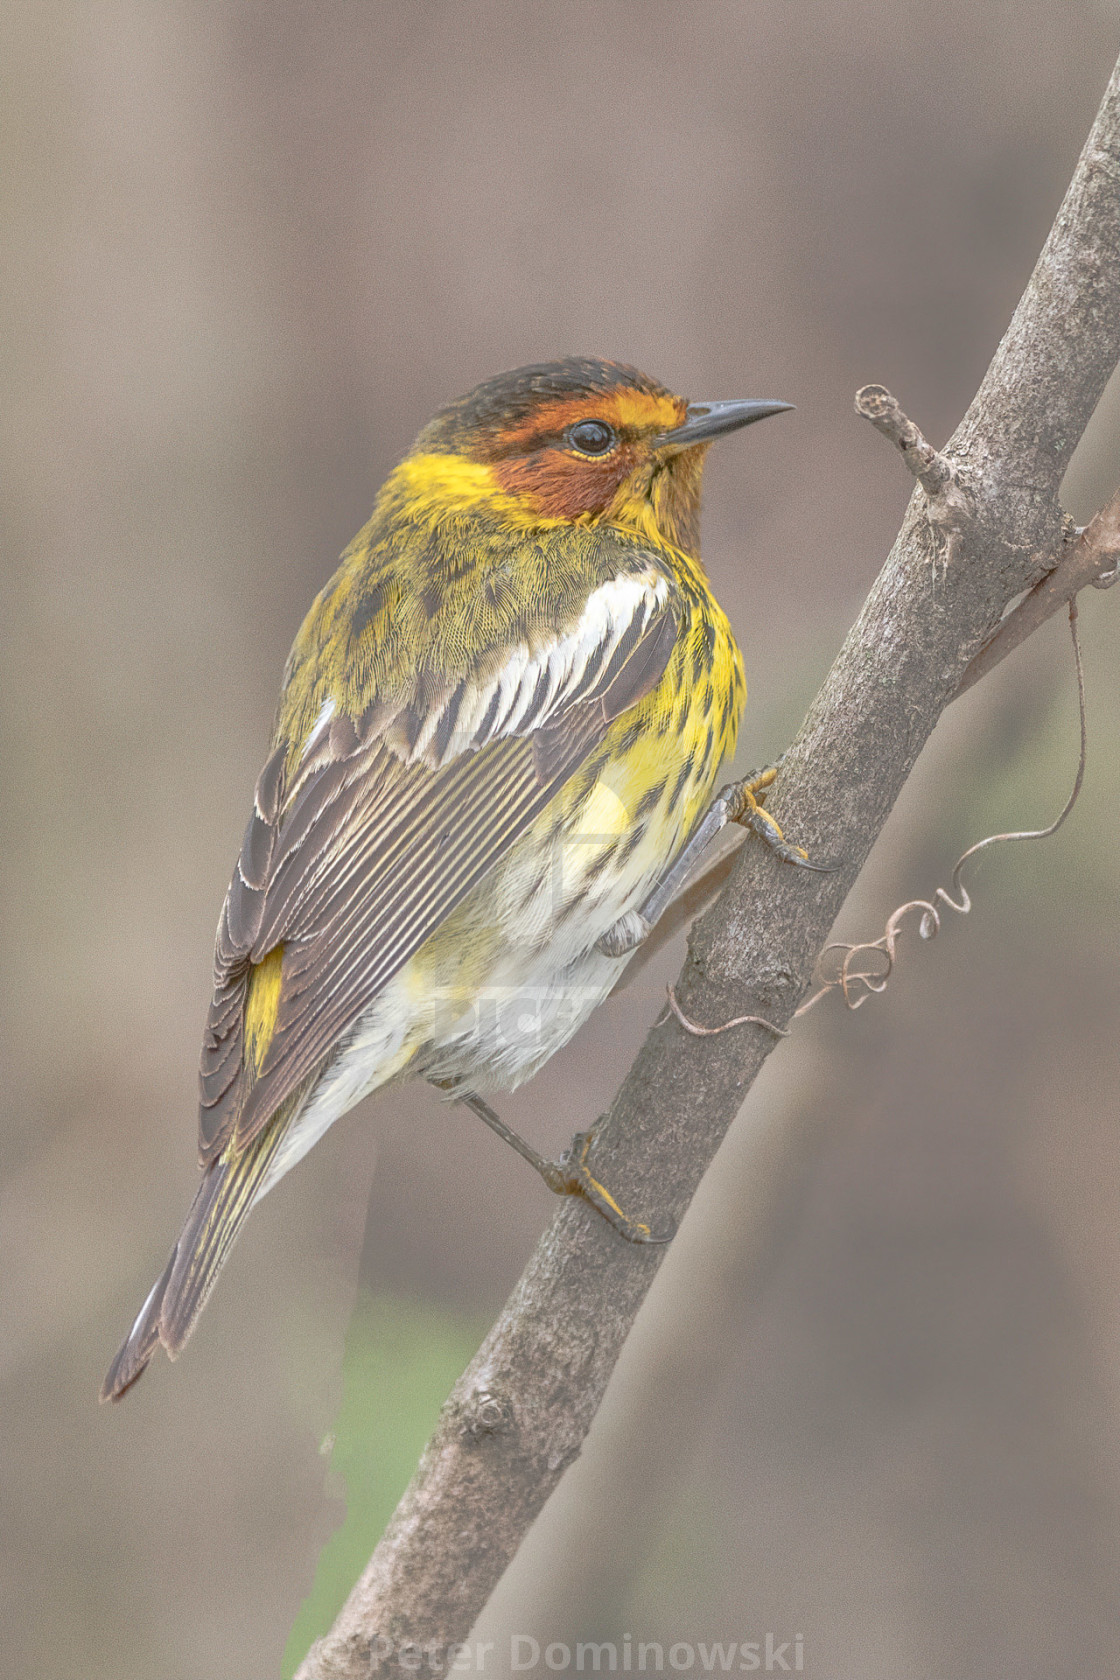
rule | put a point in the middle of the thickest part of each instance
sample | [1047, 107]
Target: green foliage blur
[402, 1358]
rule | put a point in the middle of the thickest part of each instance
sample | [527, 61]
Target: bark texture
[984, 525]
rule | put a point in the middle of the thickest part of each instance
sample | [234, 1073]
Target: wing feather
[352, 858]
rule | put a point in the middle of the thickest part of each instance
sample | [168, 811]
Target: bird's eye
[592, 437]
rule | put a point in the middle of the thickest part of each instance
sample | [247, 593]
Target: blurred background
[873, 1398]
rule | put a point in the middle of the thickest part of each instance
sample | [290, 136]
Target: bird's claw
[571, 1176]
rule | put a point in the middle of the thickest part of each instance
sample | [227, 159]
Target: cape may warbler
[499, 730]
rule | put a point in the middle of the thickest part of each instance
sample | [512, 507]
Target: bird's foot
[571, 1176]
[744, 806]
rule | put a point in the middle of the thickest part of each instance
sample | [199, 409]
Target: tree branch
[983, 525]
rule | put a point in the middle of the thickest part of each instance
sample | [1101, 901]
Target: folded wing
[358, 849]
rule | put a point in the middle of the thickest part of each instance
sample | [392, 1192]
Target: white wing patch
[536, 680]
[318, 728]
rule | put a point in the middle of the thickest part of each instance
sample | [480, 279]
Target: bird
[493, 762]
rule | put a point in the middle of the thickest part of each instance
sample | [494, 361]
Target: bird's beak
[705, 421]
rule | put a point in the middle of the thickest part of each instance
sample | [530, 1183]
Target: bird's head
[585, 441]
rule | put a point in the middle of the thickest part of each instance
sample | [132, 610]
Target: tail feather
[140, 1343]
[220, 1208]
[212, 1225]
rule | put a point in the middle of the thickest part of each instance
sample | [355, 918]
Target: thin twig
[1092, 559]
[932, 470]
[950, 508]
